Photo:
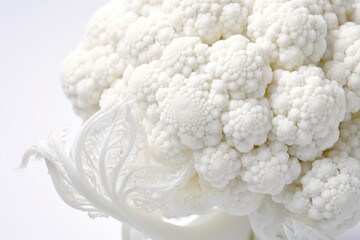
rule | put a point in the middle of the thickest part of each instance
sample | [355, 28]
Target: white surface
[36, 36]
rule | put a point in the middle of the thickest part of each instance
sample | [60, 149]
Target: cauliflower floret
[95, 63]
[314, 149]
[307, 110]
[328, 193]
[143, 82]
[108, 24]
[341, 39]
[349, 140]
[185, 94]
[111, 95]
[344, 65]
[208, 19]
[247, 123]
[193, 113]
[148, 81]
[342, 9]
[136, 32]
[243, 66]
[268, 168]
[145, 40]
[142, 7]
[86, 73]
[178, 107]
[238, 200]
[291, 34]
[217, 165]
[185, 56]
[166, 145]
[333, 11]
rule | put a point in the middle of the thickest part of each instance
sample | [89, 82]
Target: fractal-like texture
[215, 119]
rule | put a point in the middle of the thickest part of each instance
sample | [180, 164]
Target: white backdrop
[35, 37]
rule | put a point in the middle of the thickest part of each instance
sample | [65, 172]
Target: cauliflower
[210, 20]
[247, 123]
[328, 193]
[343, 62]
[238, 200]
[291, 33]
[307, 110]
[217, 165]
[94, 65]
[269, 168]
[185, 96]
[334, 12]
[349, 140]
[243, 113]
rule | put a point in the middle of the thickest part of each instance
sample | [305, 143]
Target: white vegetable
[307, 110]
[349, 140]
[344, 63]
[269, 168]
[292, 35]
[247, 123]
[328, 193]
[208, 19]
[217, 109]
[217, 165]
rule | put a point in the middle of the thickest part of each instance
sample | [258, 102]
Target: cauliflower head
[238, 107]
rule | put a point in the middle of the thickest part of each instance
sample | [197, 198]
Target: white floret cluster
[261, 98]
[328, 193]
[308, 109]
